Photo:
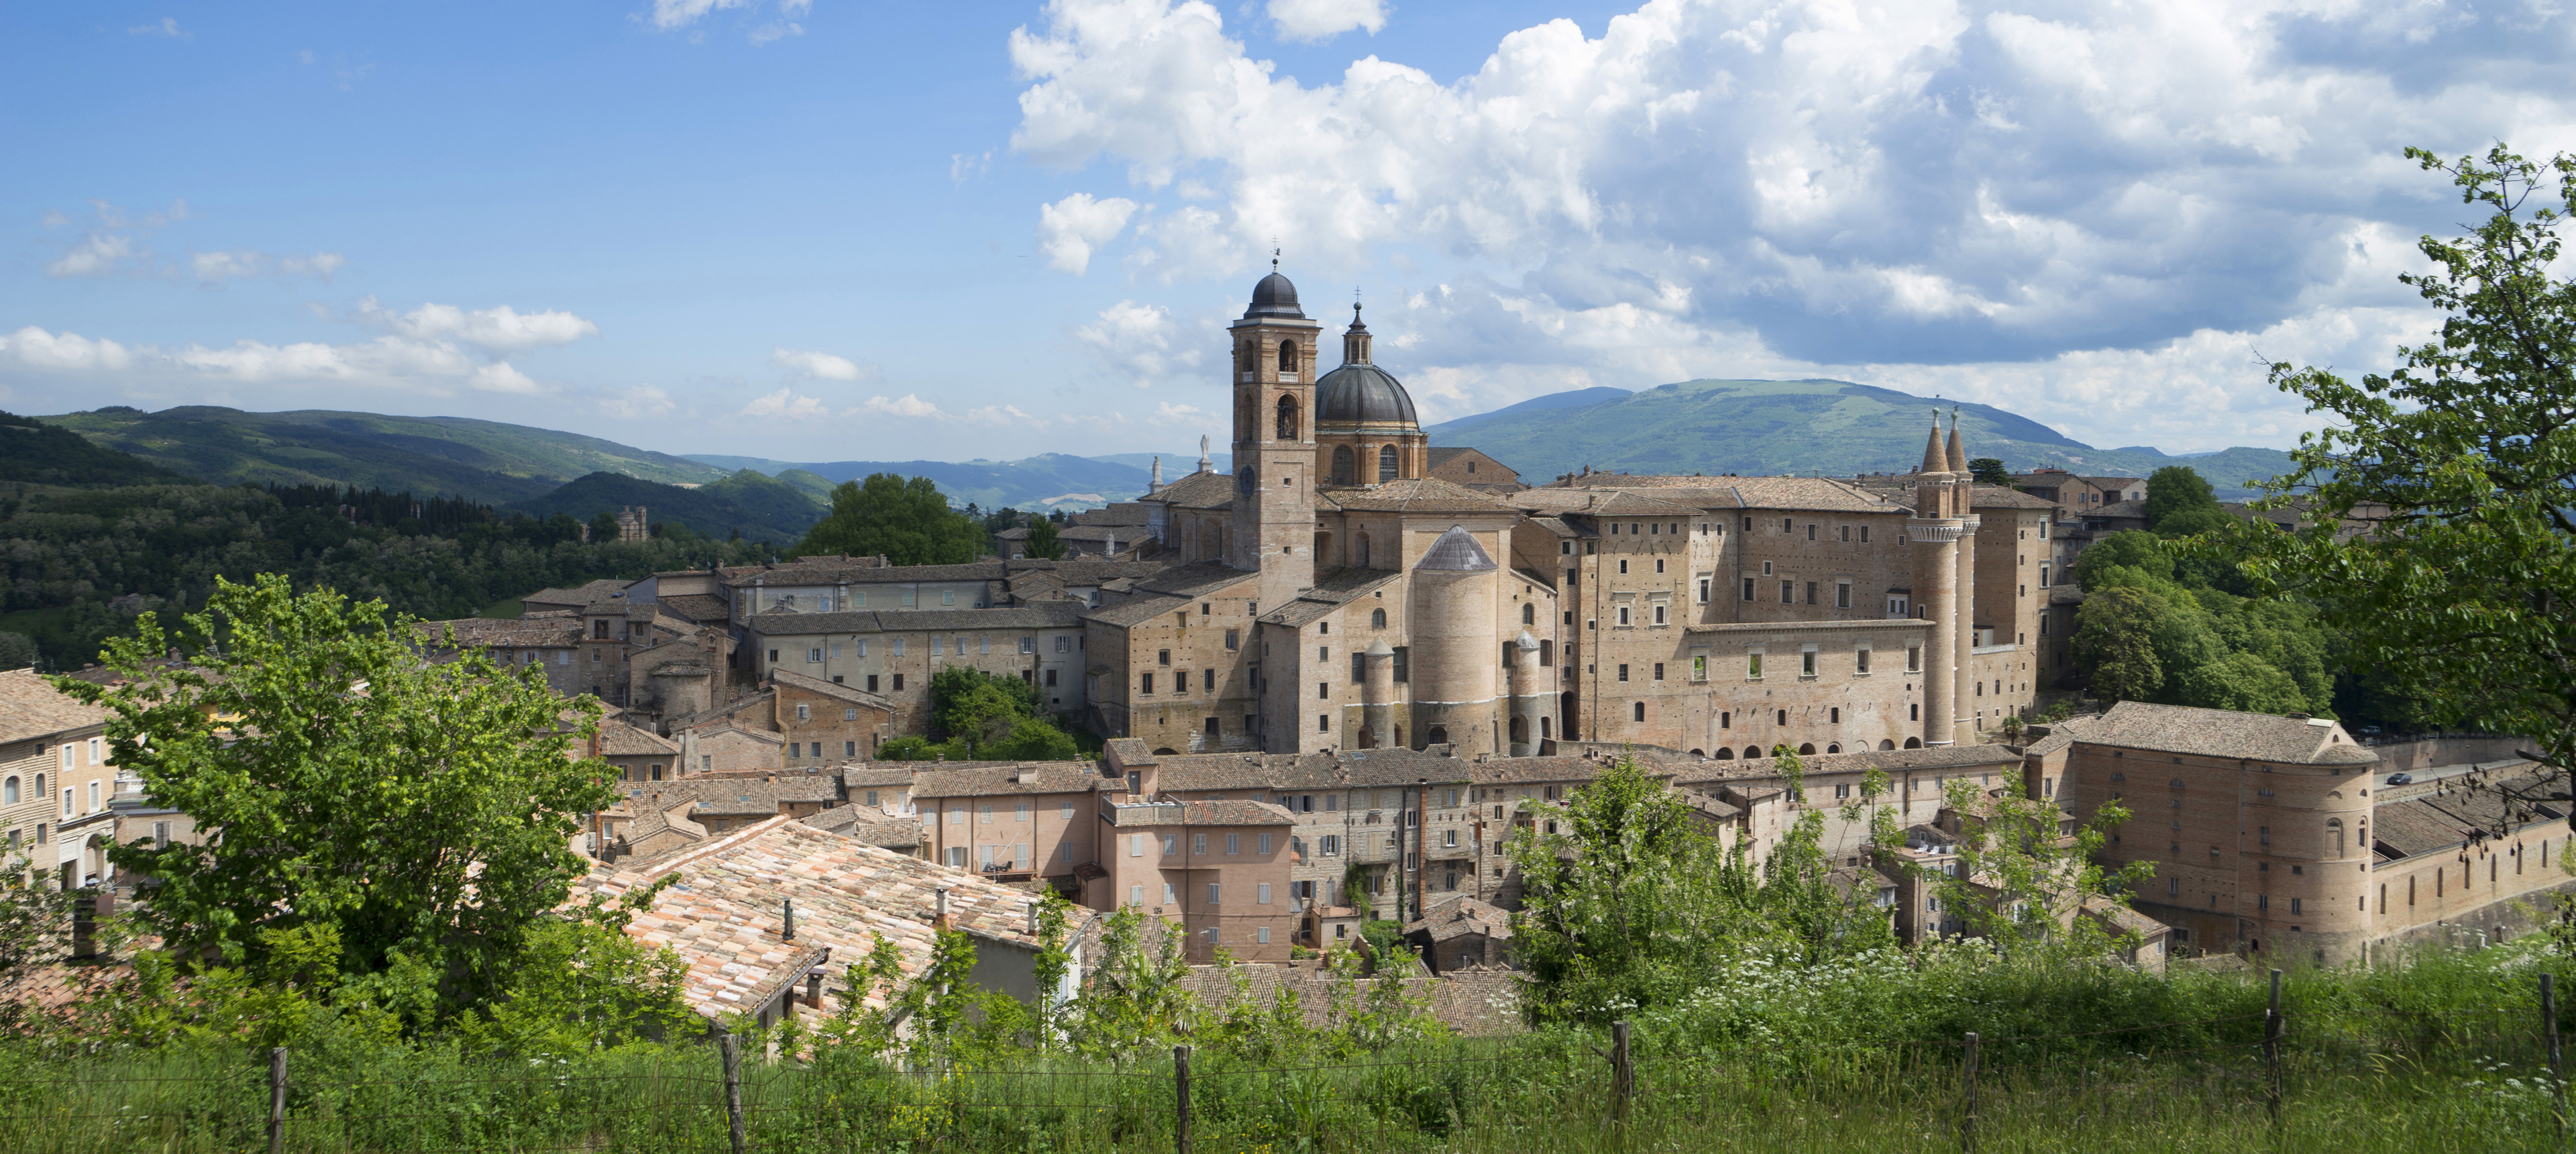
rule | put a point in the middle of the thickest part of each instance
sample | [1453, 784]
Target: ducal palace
[1335, 594]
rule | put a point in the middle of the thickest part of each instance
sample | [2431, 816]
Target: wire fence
[2476, 1082]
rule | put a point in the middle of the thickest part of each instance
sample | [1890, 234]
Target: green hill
[485, 461]
[1836, 428]
[31, 450]
[761, 508]
[1028, 483]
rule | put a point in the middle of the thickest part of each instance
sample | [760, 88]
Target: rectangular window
[1753, 665]
[1623, 615]
[935, 646]
[1659, 615]
[1811, 530]
[1748, 589]
[1703, 590]
[1233, 843]
[1023, 810]
[1861, 661]
[1261, 894]
[1788, 593]
[1171, 844]
[1135, 845]
[1265, 845]
[1913, 659]
[1842, 594]
[1263, 932]
[1807, 663]
[1198, 844]
[1864, 534]
[1699, 668]
[1659, 671]
[872, 683]
[1811, 592]
[1145, 682]
[1623, 672]
[1212, 897]
[988, 813]
[804, 713]
[899, 644]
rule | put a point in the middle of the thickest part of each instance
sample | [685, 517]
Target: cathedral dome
[1362, 394]
[1274, 297]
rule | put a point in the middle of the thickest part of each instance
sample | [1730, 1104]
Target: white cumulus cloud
[36, 348]
[1325, 19]
[500, 330]
[218, 267]
[1070, 229]
[907, 405]
[820, 366]
[637, 402]
[1141, 342]
[1962, 190]
[786, 403]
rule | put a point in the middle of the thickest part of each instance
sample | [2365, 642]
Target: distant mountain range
[1758, 428]
[485, 461]
[1836, 428]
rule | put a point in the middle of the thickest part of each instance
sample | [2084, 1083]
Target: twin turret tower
[1943, 532]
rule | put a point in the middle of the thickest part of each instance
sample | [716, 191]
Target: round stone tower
[1455, 648]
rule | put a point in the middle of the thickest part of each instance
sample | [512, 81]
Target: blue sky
[830, 230]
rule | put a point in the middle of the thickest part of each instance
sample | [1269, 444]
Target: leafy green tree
[2177, 489]
[2027, 876]
[1820, 910]
[1990, 471]
[2114, 642]
[993, 717]
[906, 521]
[423, 813]
[17, 651]
[1042, 540]
[2129, 549]
[2438, 527]
[604, 527]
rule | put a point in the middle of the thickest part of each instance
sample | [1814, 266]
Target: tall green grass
[2441, 1054]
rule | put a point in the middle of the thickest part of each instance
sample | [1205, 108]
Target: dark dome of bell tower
[1274, 297]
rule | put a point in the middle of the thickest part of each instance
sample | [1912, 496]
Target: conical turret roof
[1457, 552]
[1934, 459]
[1958, 452]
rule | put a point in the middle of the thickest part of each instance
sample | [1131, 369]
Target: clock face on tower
[1245, 480]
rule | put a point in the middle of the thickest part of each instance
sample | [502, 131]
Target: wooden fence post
[1968, 1122]
[2557, 1056]
[277, 1100]
[1623, 1073]
[731, 1047]
[1181, 1098]
[2272, 1027]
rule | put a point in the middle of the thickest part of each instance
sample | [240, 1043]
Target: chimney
[939, 916]
[1032, 908]
[814, 987]
[787, 919]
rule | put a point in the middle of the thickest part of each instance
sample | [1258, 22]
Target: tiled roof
[758, 704]
[1337, 588]
[1196, 579]
[2136, 510]
[1995, 758]
[759, 736]
[2489, 803]
[2225, 733]
[693, 607]
[865, 773]
[833, 689]
[839, 572]
[1418, 495]
[1139, 610]
[31, 708]
[1115, 513]
[617, 739]
[1004, 780]
[1998, 497]
[580, 595]
[1038, 615]
[1288, 772]
[1596, 503]
[1196, 491]
[1463, 917]
[1230, 811]
[867, 825]
[723, 915]
[1813, 494]
[506, 632]
[1086, 570]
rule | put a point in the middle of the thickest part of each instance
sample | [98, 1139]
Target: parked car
[2370, 731]
[2400, 779]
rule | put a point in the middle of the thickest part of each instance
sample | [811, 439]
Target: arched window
[1834, 748]
[1529, 613]
[1287, 356]
[1884, 743]
[1289, 429]
[1752, 752]
[9, 792]
[1386, 462]
[1807, 750]
[1344, 472]
[2335, 824]
[1913, 743]
[1439, 735]
[1377, 619]
[1725, 754]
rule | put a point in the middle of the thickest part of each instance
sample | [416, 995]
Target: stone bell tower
[1274, 441]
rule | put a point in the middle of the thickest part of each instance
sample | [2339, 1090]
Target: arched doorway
[1807, 749]
[1835, 747]
[1913, 743]
[1725, 754]
[1368, 738]
[1439, 735]
[1884, 744]
[1520, 731]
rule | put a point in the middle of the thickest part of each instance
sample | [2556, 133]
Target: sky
[819, 230]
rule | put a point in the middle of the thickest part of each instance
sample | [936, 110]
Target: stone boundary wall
[2417, 756]
[1475, 1003]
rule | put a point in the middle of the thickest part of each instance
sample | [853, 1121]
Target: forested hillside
[487, 461]
[748, 504]
[79, 565]
[1770, 428]
[31, 450]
